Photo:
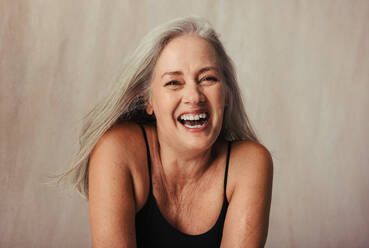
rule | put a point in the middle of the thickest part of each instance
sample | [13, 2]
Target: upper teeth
[190, 117]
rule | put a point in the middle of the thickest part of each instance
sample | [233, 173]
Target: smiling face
[187, 94]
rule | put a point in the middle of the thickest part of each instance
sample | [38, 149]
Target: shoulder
[119, 162]
[112, 184]
[120, 151]
[251, 165]
[121, 134]
[251, 154]
[251, 176]
[121, 143]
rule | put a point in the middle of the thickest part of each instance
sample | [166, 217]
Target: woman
[169, 159]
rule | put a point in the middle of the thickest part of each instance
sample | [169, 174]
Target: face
[187, 94]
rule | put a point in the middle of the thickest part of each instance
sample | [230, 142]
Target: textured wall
[303, 68]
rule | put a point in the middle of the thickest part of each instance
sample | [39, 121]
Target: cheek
[217, 96]
[163, 105]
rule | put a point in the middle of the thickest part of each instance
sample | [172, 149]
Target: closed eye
[173, 82]
[210, 79]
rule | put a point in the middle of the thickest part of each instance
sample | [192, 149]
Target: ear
[149, 109]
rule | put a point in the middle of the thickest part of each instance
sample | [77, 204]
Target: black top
[153, 230]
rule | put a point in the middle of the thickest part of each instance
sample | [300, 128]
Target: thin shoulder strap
[226, 169]
[147, 153]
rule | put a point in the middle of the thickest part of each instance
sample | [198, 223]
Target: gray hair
[131, 92]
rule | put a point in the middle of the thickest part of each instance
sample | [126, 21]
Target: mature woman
[169, 158]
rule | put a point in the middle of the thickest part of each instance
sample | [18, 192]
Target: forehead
[186, 53]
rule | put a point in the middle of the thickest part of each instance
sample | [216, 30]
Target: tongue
[193, 123]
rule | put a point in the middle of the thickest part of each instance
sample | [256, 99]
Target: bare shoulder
[120, 159]
[113, 180]
[251, 164]
[118, 151]
[251, 154]
[251, 175]
[122, 145]
[121, 151]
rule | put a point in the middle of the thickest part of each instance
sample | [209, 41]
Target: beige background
[303, 67]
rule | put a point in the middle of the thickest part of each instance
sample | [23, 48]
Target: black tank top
[153, 230]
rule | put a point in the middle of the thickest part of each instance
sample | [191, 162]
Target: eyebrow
[172, 73]
[205, 69]
[208, 68]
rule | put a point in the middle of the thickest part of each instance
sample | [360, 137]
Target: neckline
[217, 223]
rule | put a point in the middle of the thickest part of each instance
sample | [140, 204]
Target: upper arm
[111, 193]
[247, 219]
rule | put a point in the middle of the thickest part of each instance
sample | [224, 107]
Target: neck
[180, 168]
[185, 165]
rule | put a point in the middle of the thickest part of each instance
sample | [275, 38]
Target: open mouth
[194, 121]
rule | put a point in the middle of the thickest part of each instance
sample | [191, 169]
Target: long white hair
[128, 97]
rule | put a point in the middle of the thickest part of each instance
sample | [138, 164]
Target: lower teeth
[194, 126]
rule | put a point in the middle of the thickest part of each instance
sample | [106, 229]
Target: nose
[193, 94]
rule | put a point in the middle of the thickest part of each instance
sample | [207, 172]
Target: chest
[154, 230]
[194, 209]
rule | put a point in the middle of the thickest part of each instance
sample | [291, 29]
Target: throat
[179, 189]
